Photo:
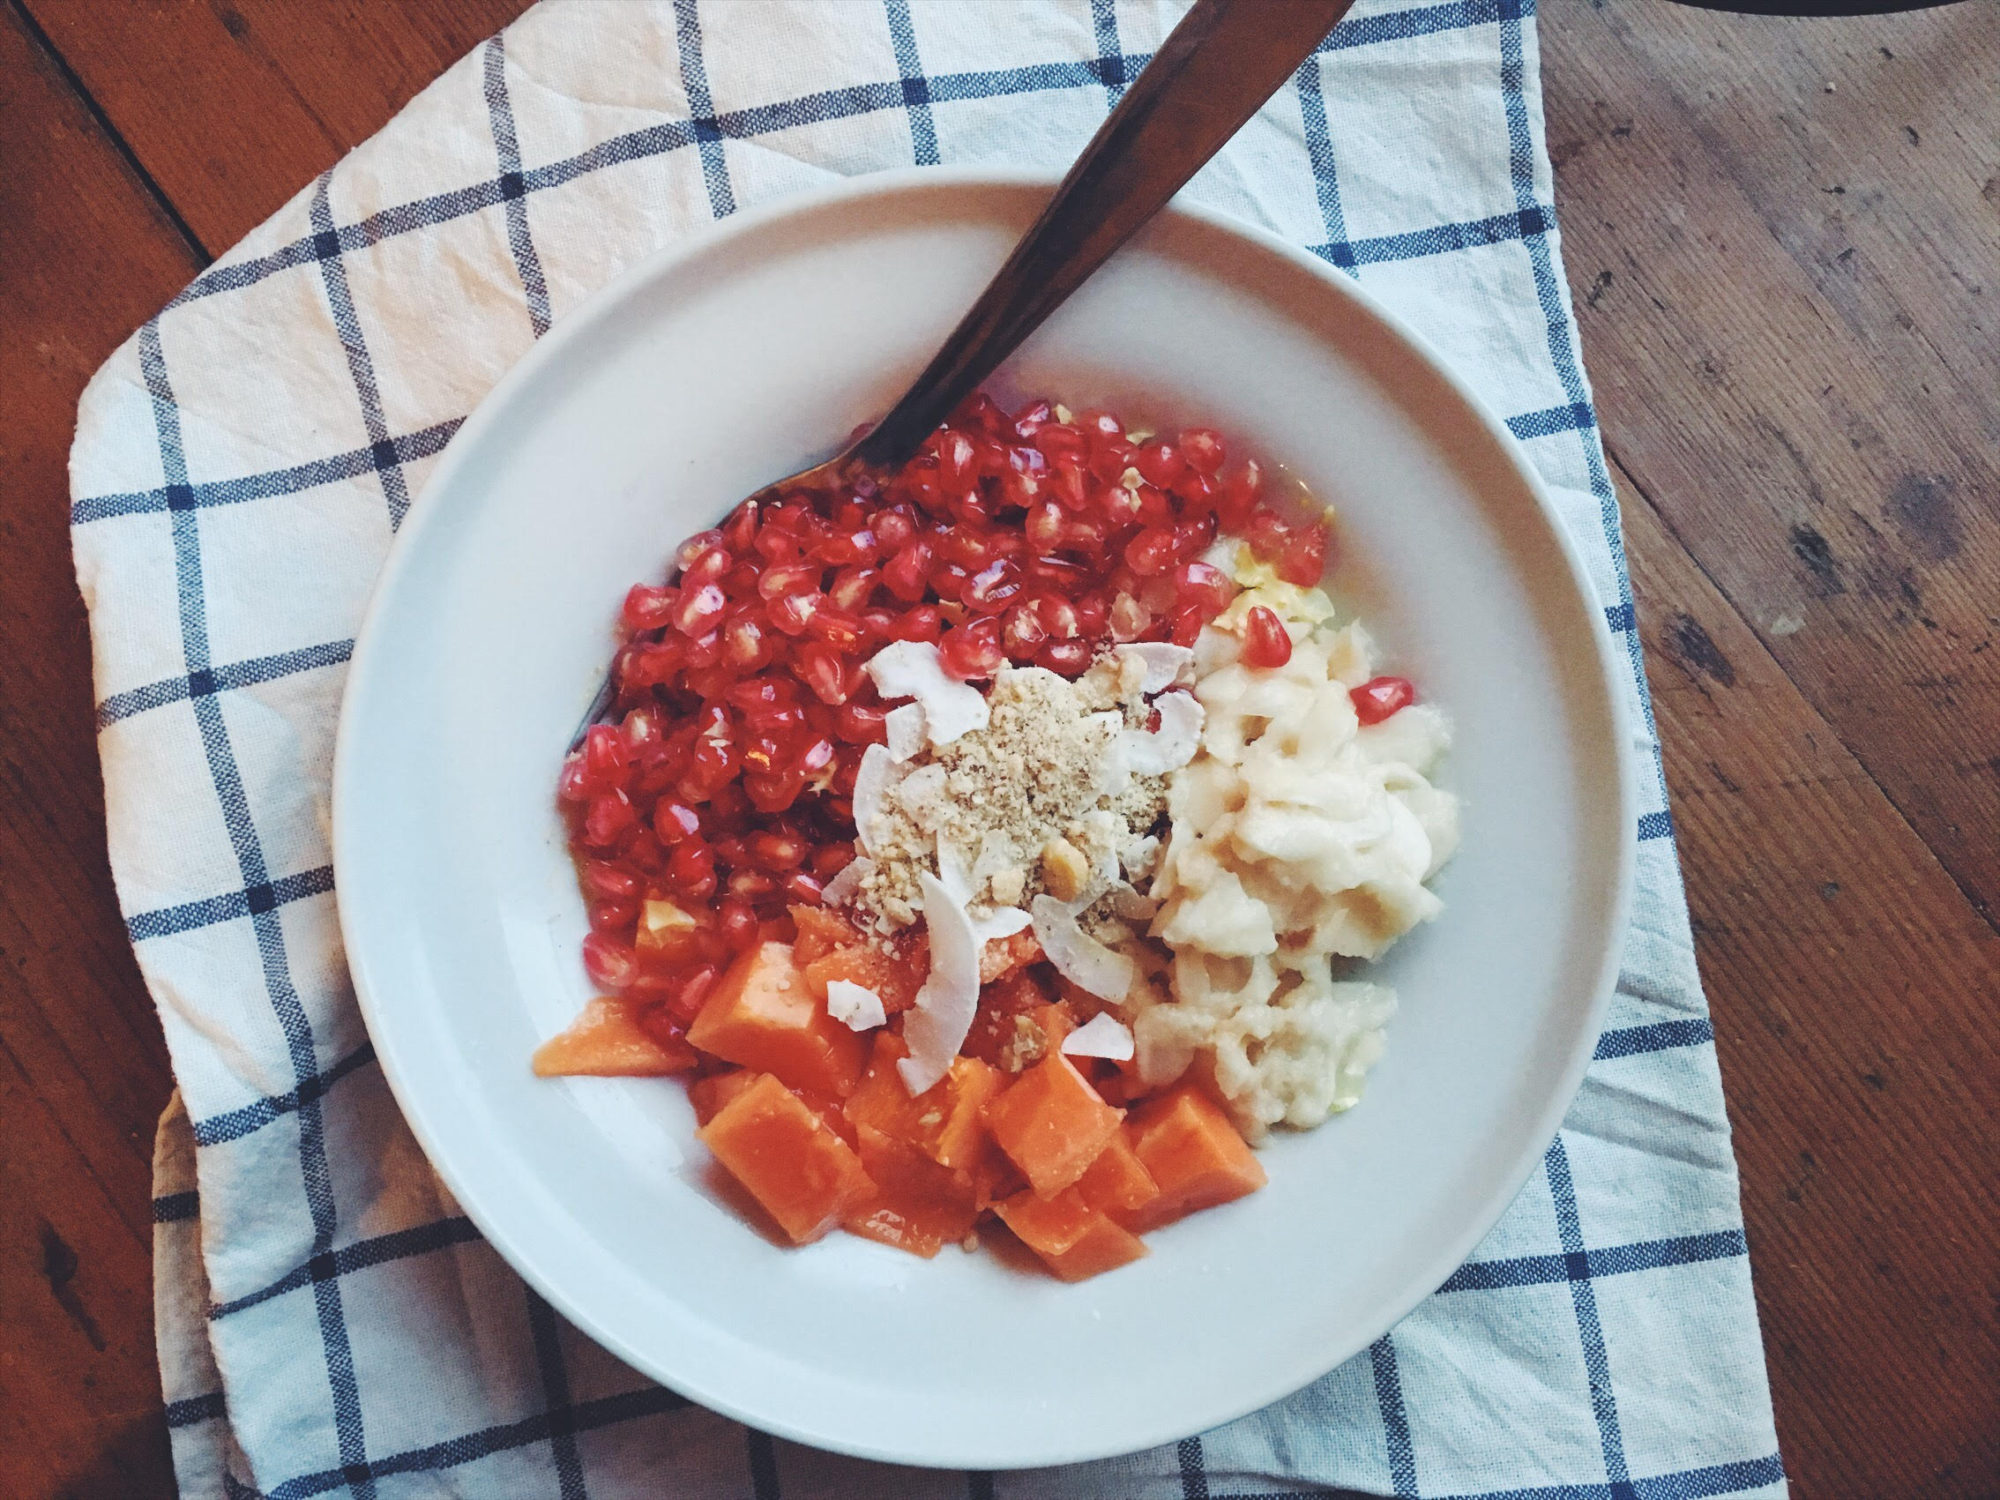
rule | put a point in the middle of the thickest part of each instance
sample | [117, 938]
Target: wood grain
[1787, 297]
[232, 106]
[84, 256]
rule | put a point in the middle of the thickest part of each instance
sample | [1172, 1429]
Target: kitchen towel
[328, 1319]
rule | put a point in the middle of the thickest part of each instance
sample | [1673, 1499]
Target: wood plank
[83, 1073]
[233, 105]
[1853, 988]
[1826, 458]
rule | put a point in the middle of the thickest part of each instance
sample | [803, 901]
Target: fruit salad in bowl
[996, 845]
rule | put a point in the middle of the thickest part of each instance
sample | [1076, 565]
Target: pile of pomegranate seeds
[724, 784]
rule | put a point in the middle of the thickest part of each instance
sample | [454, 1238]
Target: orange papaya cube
[944, 1122]
[1117, 1184]
[708, 1094]
[1052, 1124]
[918, 1205]
[762, 1016]
[821, 931]
[787, 1158]
[607, 1041]
[999, 957]
[894, 977]
[1195, 1155]
[1073, 1239]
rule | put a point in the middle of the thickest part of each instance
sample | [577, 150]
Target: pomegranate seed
[1187, 623]
[699, 609]
[777, 545]
[1267, 535]
[957, 463]
[1119, 506]
[828, 860]
[613, 917]
[1109, 461]
[817, 758]
[789, 578]
[791, 613]
[818, 666]
[745, 647]
[777, 852]
[894, 528]
[693, 992]
[1239, 495]
[994, 587]
[1202, 447]
[1101, 425]
[691, 869]
[1085, 536]
[1205, 586]
[605, 757]
[703, 652]
[803, 888]
[648, 608]
[738, 925]
[1160, 463]
[1155, 509]
[608, 816]
[1380, 697]
[1266, 642]
[1022, 633]
[861, 723]
[1092, 612]
[607, 881]
[1044, 526]
[774, 791]
[908, 571]
[710, 566]
[674, 822]
[1303, 559]
[1151, 551]
[1129, 618]
[971, 651]
[1069, 658]
[740, 530]
[920, 624]
[747, 885]
[574, 784]
[1058, 617]
[610, 964]
[1031, 418]
[696, 545]
[845, 548]
[852, 588]
[1058, 442]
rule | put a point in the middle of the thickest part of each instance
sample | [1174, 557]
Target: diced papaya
[787, 1158]
[607, 1041]
[894, 977]
[821, 930]
[944, 1122]
[1073, 1239]
[1052, 1124]
[918, 1205]
[711, 1092]
[1017, 1025]
[1195, 1155]
[761, 1015]
[1117, 1183]
[999, 957]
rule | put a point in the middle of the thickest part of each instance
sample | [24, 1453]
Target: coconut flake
[1103, 1035]
[952, 872]
[913, 669]
[906, 727]
[1173, 744]
[872, 780]
[1162, 663]
[859, 1008]
[842, 888]
[935, 1026]
[1001, 922]
[1079, 957]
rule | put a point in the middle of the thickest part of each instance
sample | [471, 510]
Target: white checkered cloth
[328, 1320]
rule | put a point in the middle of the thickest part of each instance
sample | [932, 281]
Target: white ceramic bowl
[737, 357]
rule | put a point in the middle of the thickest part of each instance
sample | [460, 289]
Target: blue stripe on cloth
[265, 896]
[329, 1265]
[314, 1170]
[1618, 1260]
[1438, 239]
[1319, 151]
[1401, 25]
[237, 1123]
[1687, 1484]
[1194, 1469]
[555, 1395]
[176, 1208]
[1656, 825]
[435, 1457]
[1630, 1041]
[707, 134]
[220, 679]
[1620, 617]
[1576, 416]
[1395, 1417]
[194, 1410]
[289, 481]
[1114, 69]
[916, 88]
[1590, 1332]
[360, 364]
[513, 189]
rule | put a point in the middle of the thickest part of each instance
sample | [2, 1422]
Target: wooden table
[1783, 240]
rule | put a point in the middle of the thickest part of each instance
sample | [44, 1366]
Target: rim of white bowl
[1286, 1377]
